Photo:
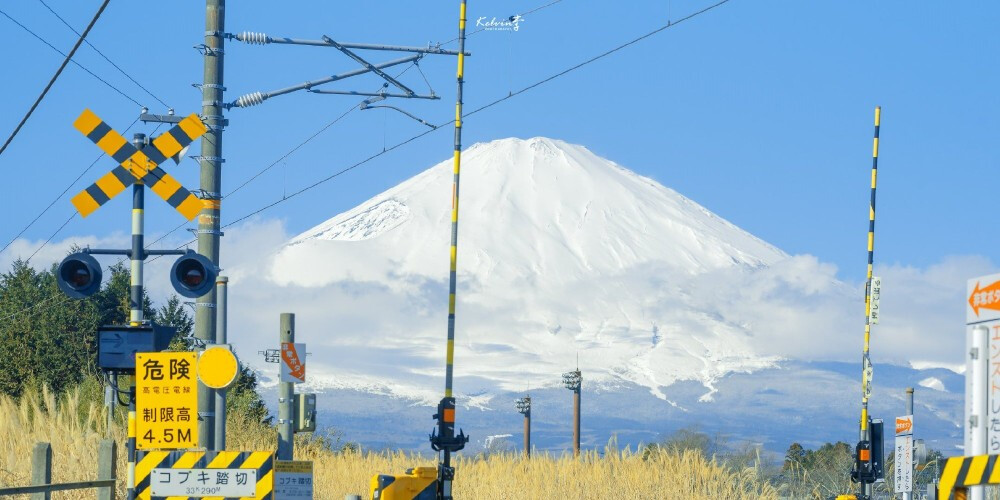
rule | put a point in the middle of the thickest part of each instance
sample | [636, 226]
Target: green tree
[243, 398]
[49, 339]
[45, 338]
[173, 314]
[796, 454]
[113, 299]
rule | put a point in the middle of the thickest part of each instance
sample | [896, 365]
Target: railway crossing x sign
[138, 166]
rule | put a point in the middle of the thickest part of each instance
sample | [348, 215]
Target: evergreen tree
[173, 314]
[45, 338]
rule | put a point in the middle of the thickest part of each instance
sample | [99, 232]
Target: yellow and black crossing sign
[139, 166]
[959, 473]
[180, 475]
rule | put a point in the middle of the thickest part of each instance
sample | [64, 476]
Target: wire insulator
[251, 99]
[253, 38]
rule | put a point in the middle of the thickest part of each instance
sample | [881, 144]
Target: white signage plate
[904, 464]
[200, 483]
[293, 480]
[876, 295]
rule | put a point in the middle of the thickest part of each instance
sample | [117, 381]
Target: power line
[293, 150]
[53, 235]
[58, 197]
[482, 108]
[58, 71]
[53, 47]
[477, 110]
[307, 140]
[123, 72]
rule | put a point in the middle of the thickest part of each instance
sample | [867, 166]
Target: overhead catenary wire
[445, 124]
[309, 139]
[89, 72]
[477, 110]
[73, 214]
[53, 235]
[120, 70]
[66, 60]
[60, 195]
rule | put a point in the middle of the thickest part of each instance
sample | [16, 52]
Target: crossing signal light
[193, 275]
[79, 275]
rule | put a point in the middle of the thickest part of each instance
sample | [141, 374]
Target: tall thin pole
[211, 186]
[222, 285]
[135, 307]
[527, 432]
[865, 434]
[574, 381]
[576, 422]
[523, 406]
[908, 495]
[445, 440]
[286, 396]
[453, 269]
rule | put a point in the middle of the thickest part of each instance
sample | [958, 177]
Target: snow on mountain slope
[561, 253]
[538, 209]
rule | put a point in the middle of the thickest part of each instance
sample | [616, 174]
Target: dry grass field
[74, 430]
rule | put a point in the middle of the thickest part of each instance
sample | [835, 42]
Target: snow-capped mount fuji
[555, 244]
[672, 312]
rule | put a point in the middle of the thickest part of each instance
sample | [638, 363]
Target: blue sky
[760, 111]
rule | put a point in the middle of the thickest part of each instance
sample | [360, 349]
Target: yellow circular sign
[218, 367]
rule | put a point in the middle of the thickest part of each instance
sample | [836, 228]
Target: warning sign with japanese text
[200, 483]
[983, 299]
[166, 403]
[293, 362]
[293, 479]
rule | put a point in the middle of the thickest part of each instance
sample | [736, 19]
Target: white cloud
[389, 332]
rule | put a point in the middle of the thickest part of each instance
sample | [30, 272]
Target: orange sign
[985, 298]
[293, 364]
[904, 425]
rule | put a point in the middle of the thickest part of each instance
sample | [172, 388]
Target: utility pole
[286, 397]
[222, 286]
[211, 187]
[573, 380]
[524, 407]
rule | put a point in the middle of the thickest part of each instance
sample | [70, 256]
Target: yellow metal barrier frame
[959, 473]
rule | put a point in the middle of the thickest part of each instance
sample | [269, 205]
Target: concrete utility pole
[524, 407]
[211, 187]
[572, 380]
[222, 285]
[286, 397]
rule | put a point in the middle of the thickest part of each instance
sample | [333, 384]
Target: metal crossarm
[136, 165]
[371, 67]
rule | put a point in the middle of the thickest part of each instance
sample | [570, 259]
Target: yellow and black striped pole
[445, 440]
[866, 363]
[453, 268]
[135, 305]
